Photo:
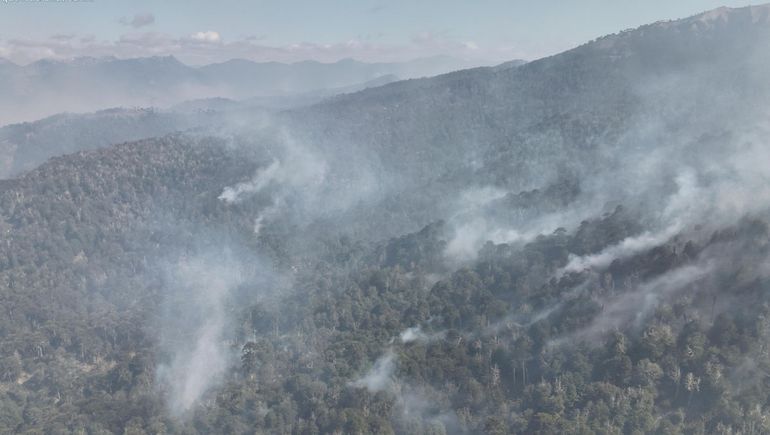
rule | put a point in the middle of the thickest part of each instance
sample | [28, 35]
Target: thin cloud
[377, 9]
[380, 376]
[138, 20]
[207, 36]
[63, 37]
[208, 46]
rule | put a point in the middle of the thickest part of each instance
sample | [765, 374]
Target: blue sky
[199, 31]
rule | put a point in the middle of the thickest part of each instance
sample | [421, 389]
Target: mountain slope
[559, 106]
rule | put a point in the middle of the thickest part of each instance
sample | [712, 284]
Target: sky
[200, 32]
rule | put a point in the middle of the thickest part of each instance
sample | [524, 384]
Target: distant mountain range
[85, 84]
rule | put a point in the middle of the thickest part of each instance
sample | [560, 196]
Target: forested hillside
[576, 245]
[28, 145]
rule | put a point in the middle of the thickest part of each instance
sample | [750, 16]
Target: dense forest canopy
[579, 244]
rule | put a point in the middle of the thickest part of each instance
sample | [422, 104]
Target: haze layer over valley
[84, 84]
[576, 244]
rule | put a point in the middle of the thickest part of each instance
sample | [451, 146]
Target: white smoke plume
[295, 168]
[264, 215]
[380, 376]
[626, 248]
[473, 225]
[303, 184]
[416, 334]
[202, 291]
[427, 407]
[681, 207]
[412, 334]
[263, 178]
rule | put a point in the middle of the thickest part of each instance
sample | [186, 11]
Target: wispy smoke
[296, 176]
[428, 407]
[471, 236]
[138, 20]
[471, 229]
[263, 177]
[414, 405]
[416, 334]
[633, 307]
[481, 215]
[627, 248]
[201, 292]
[380, 377]
[412, 334]
[295, 167]
[266, 214]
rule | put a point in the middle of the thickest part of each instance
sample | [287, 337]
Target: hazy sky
[200, 31]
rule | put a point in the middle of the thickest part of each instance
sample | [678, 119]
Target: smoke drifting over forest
[576, 244]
